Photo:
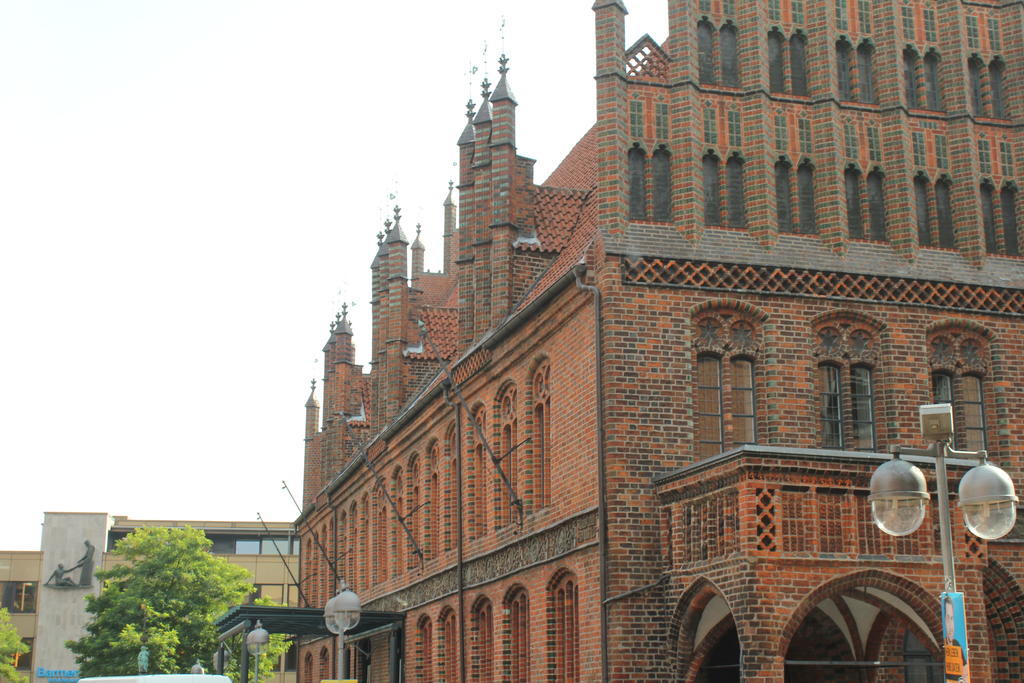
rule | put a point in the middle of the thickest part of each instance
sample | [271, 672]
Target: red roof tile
[578, 169]
[443, 329]
[558, 211]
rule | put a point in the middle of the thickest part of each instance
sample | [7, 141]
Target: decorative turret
[312, 412]
[397, 313]
[449, 236]
[417, 255]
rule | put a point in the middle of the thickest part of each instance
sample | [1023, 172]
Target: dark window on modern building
[805, 194]
[1008, 204]
[734, 190]
[876, 206]
[23, 661]
[798, 64]
[661, 180]
[730, 59]
[854, 221]
[705, 52]
[922, 212]
[637, 184]
[932, 87]
[19, 597]
[944, 210]
[783, 197]
[712, 191]
[776, 69]
[247, 546]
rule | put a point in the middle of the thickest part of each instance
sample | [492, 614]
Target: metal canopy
[299, 621]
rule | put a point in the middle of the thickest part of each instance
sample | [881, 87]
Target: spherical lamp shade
[257, 640]
[898, 497]
[988, 501]
[341, 613]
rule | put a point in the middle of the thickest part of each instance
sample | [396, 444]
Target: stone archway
[1004, 614]
[843, 627]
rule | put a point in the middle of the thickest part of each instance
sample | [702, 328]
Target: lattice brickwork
[802, 282]
[647, 62]
[765, 513]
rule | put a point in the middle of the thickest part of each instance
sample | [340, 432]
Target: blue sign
[58, 675]
[954, 638]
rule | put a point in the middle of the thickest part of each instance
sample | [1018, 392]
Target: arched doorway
[866, 628]
[706, 643]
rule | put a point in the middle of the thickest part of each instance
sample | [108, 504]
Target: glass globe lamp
[988, 501]
[898, 497]
[341, 613]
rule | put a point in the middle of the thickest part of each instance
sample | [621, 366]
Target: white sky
[188, 191]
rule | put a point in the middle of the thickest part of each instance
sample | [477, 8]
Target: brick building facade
[627, 433]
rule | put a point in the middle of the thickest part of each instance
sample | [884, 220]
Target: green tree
[165, 595]
[11, 646]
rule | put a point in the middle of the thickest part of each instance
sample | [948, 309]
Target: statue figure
[143, 659]
[197, 668]
[86, 565]
[59, 577]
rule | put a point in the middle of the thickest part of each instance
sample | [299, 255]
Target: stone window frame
[958, 351]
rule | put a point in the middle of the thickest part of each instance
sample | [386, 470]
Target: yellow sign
[954, 660]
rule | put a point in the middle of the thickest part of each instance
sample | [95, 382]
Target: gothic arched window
[846, 354]
[483, 641]
[854, 221]
[449, 646]
[425, 650]
[959, 362]
[508, 425]
[876, 206]
[637, 184]
[798, 64]
[865, 75]
[540, 467]
[661, 172]
[974, 68]
[517, 611]
[481, 476]
[805, 194]
[563, 632]
[734, 192]
[730, 58]
[776, 68]
[922, 212]
[932, 85]
[712, 191]
[1008, 204]
[995, 86]
[944, 211]
[844, 69]
[706, 52]
[783, 196]
[988, 217]
[910, 66]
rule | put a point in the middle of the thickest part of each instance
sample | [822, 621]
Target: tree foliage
[11, 645]
[166, 595]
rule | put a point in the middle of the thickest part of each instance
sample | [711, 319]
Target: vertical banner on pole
[954, 638]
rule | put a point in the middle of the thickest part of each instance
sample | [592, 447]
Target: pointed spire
[311, 402]
[467, 133]
[416, 244]
[484, 115]
[381, 251]
[395, 231]
[503, 91]
[341, 323]
[448, 200]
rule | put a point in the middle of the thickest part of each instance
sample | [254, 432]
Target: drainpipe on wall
[602, 508]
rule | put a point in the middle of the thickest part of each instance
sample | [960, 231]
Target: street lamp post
[256, 640]
[341, 614]
[899, 492]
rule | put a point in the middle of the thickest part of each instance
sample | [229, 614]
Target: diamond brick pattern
[802, 282]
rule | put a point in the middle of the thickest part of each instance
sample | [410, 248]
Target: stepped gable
[579, 168]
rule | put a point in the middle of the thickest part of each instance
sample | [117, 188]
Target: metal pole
[257, 668]
[243, 663]
[342, 656]
[940, 449]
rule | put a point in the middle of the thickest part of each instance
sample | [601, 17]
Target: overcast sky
[189, 189]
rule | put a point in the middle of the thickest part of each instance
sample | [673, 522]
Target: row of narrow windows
[718, 64]
[514, 661]
[724, 189]
[846, 402]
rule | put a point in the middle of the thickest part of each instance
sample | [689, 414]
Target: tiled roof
[579, 168]
[443, 329]
[436, 288]
[810, 251]
[558, 210]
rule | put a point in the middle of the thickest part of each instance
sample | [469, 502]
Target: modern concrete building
[44, 590]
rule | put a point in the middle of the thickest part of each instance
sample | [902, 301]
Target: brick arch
[916, 597]
[845, 314]
[682, 628]
[949, 325]
[740, 307]
[1004, 612]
